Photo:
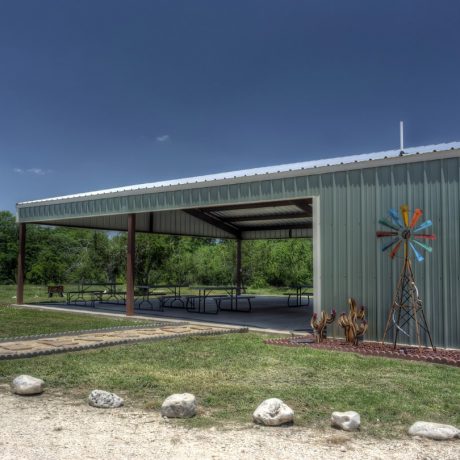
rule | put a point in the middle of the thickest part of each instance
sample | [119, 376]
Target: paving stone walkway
[42, 345]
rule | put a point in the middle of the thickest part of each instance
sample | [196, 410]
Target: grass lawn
[35, 294]
[31, 294]
[232, 374]
[16, 322]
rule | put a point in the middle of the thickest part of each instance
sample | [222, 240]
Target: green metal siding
[351, 204]
[352, 263]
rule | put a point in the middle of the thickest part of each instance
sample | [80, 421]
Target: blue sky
[97, 94]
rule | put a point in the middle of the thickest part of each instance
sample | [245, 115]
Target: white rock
[273, 412]
[436, 431]
[27, 385]
[104, 399]
[347, 421]
[179, 406]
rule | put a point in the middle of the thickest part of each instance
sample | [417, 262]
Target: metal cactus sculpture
[407, 305]
[353, 323]
[319, 327]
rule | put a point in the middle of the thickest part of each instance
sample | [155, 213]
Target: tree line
[59, 255]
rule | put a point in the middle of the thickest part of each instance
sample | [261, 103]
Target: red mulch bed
[440, 356]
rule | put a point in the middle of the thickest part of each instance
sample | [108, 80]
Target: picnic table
[86, 293]
[301, 290]
[164, 293]
[197, 303]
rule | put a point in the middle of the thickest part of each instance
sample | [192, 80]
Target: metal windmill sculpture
[407, 235]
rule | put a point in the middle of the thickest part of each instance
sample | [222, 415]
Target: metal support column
[21, 264]
[238, 274]
[130, 264]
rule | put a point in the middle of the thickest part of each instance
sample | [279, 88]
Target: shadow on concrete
[268, 312]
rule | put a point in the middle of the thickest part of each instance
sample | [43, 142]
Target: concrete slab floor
[269, 313]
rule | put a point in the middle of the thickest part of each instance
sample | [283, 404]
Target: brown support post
[238, 267]
[21, 264]
[130, 264]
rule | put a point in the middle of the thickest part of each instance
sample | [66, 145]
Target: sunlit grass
[16, 321]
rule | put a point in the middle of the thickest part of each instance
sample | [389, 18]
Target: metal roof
[306, 167]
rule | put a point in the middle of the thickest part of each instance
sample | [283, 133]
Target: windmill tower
[407, 307]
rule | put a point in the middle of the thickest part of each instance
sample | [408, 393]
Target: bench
[172, 299]
[235, 298]
[117, 295]
[59, 290]
[191, 300]
[81, 296]
[298, 299]
[146, 294]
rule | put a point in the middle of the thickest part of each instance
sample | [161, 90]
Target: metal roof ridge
[266, 170]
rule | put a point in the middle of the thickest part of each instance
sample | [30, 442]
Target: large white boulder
[179, 406]
[348, 421]
[437, 431]
[104, 399]
[27, 385]
[273, 412]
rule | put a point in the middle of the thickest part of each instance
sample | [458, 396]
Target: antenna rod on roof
[401, 134]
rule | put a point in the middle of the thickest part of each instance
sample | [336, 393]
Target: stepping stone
[18, 346]
[178, 330]
[62, 343]
[91, 339]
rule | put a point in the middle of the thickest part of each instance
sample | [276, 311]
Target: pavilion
[336, 202]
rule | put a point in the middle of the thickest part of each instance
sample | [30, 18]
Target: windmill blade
[427, 237]
[424, 246]
[395, 217]
[423, 226]
[415, 217]
[395, 250]
[391, 243]
[418, 256]
[388, 224]
[381, 234]
[405, 214]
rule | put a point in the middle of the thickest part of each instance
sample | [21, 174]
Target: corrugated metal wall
[351, 204]
[352, 262]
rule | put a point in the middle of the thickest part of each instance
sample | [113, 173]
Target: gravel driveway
[51, 427]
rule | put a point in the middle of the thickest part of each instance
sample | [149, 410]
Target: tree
[8, 248]
[152, 251]
[57, 255]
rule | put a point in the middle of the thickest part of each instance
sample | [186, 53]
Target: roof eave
[369, 163]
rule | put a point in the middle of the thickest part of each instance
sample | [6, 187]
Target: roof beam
[270, 204]
[276, 227]
[214, 221]
[304, 206]
[291, 215]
